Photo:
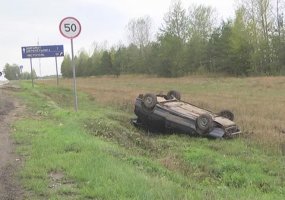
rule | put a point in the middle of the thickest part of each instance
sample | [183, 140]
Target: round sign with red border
[70, 27]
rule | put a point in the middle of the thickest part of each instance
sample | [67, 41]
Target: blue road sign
[42, 51]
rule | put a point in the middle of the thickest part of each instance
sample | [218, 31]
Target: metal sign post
[70, 28]
[0, 83]
[57, 82]
[74, 78]
[32, 76]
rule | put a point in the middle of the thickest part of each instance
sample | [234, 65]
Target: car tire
[227, 114]
[173, 93]
[149, 101]
[204, 123]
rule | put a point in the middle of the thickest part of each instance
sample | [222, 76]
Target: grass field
[97, 154]
[258, 103]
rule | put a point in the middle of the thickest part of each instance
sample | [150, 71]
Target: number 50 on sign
[70, 27]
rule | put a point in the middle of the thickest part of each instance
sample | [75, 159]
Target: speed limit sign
[70, 27]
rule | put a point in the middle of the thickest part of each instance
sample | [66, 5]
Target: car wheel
[204, 123]
[149, 101]
[227, 114]
[173, 93]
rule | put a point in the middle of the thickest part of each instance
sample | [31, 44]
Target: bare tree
[201, 20]
[280, 6]
[176, 21]
[264, 14]
[139, 31]
[260, 16]
[260, 24]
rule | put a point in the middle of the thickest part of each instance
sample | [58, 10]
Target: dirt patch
[10, 110]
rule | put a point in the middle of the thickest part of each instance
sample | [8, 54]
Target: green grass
[86, 163]
[98, 155]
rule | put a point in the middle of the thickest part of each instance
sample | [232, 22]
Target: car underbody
[168, 112]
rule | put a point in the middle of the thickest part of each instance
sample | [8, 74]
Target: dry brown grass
[258, 103]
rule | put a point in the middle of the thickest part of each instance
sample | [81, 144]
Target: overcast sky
[25, 22]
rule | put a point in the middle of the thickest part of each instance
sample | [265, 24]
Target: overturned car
[169, 112]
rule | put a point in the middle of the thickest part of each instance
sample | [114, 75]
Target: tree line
[192, 41]
[13, 72]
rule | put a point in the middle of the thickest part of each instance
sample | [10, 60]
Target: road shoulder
[10, 111]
